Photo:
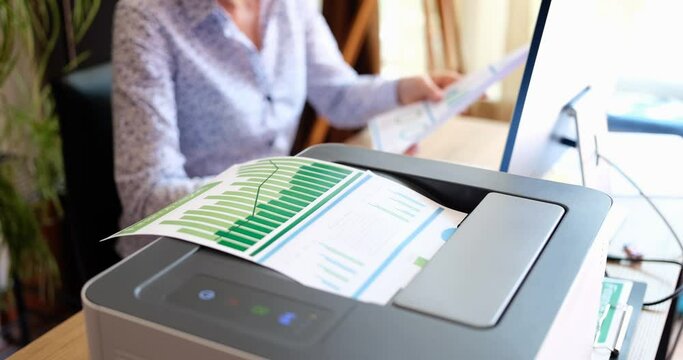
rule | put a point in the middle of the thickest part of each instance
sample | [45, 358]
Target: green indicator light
[420, 262]
[260, 310]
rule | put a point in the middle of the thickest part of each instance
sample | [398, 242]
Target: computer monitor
[565, 83]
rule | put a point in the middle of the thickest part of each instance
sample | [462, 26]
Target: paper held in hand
[327, 226]
[395, 131]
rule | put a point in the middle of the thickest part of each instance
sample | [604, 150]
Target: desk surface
[644, 230]
[645, 158]
[67, 341]
[480, 143]
[463, 140]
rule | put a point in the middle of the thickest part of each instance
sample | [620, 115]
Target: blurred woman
[200, 85]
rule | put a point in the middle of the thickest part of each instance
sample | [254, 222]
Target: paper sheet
[325, 225]
[613, 304]
[397, 130]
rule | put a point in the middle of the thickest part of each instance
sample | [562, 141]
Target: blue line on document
[339, 265]
[326, 208]
[428, 110]
[395, 253]
[329, 284]
[374, 129]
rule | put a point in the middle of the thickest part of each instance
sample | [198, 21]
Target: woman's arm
[334, 88]
[349, 99]
[148, 163]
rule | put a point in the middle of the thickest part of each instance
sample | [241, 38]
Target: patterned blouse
[193, 95]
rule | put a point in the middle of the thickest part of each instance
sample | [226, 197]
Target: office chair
[92, 207]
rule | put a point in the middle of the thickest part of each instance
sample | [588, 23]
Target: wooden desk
[67, 341]
[464, 140]
[480, 143]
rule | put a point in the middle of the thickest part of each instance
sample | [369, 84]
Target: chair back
[92, 207]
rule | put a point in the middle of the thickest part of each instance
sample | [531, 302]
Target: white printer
[520, 279]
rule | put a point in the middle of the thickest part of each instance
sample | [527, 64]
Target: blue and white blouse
[193, 95]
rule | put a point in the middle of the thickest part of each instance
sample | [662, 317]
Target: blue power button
[206, 294]
[287, 318]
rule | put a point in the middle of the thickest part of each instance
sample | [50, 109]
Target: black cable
[666, 222]
[678, 290]
[647, 198]
[673, 295]
[664, 261]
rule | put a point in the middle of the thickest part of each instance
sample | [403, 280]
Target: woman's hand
[418, 88]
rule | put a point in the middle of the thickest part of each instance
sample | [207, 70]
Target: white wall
[402, 38]
[652, 54]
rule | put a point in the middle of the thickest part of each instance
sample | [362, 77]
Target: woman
[200, 85]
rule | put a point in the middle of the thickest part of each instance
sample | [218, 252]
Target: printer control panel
[250, 310]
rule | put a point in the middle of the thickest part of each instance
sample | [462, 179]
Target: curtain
[486, 31]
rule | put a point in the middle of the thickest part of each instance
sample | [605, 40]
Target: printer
[520, 279]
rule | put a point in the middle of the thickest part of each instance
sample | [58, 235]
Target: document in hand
[395, 131]
[327, 226]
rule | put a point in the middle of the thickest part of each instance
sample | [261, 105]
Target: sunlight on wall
[489, 29]
[652, 50]
[402, 38]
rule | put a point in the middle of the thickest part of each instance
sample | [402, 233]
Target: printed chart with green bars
[613, 302]
[324, 225]
[263, 196]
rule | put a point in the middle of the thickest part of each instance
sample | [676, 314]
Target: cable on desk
[673, 295]
[647, 198]
[678, 290]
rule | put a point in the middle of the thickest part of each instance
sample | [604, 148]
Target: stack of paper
[325, 225]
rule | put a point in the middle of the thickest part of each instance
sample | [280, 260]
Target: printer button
[206, 295]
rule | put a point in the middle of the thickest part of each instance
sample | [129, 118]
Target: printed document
[395, 131]
[325, 225]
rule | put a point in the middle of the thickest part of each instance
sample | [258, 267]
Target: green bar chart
[264, 196]
[328, 226]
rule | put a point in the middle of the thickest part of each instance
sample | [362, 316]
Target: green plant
[29, 255]
[29, 135]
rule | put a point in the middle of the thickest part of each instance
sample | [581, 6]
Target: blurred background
[57, 196]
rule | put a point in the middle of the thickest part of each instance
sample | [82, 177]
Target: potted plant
[31, 173]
